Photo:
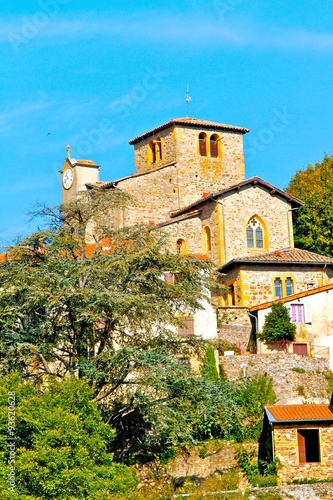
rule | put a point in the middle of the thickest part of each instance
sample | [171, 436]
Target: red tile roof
[284, 256]
[190, 122]
[292, 413]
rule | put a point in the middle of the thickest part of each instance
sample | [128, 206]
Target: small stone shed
[301, 438]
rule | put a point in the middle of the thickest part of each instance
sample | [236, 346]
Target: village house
[300, 439]
[312, 313]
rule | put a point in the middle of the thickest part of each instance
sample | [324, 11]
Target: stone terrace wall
[297, 379]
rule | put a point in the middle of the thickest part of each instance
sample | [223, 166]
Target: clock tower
[75, 175]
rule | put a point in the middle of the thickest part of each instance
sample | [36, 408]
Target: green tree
[95, 310]
[102, 312]
[313, 223]
[277, 325]
[62, 444]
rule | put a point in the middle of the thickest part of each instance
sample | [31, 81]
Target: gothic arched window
[255, 234]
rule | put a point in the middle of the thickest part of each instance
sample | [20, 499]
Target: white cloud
[232, 30]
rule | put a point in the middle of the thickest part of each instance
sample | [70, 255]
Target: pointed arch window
[203, 144]
[255, 234]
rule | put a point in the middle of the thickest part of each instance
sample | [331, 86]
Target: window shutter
[301, 448]
[202, 146]
[288, 306]
[187, 327]
[307, 313]
[214, 148]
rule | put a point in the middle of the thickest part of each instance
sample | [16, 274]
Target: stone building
[301, 438]
[312, 313]
[190, 182]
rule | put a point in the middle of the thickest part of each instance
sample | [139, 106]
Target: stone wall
[255, 284]
[240, 206]
[286, 450]
[196, 174]
[296, 379]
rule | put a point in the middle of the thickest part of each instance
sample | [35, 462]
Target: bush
[263, 481]
[277, 325]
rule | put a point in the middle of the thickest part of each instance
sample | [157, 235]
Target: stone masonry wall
[297, 379]
[286, 450]
[240, 206]
[256, 283]
[196, 174]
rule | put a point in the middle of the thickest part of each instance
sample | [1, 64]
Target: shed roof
[298, 413]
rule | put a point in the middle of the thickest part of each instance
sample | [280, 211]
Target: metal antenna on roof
[187, 99]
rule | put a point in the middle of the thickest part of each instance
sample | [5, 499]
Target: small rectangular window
[297, 313]
[186, 329]
[308, 445]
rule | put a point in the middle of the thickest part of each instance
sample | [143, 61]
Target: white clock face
[67, 178]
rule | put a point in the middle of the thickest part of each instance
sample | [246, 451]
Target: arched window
[207, 241]
[289, 287]
[203, 144]
[155, 150]
[214, 145]
[255, 234]
[278, 288]
[181, 246]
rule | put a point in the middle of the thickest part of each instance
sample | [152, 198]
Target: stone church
[190, 180]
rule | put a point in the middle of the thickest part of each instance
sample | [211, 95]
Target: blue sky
[95, 77]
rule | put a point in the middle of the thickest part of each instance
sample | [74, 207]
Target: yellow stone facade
[190, 182]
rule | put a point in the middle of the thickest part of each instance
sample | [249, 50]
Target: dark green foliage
[62, 447]
[251, 468]
[209, 369]
[278, 325]
[313, 223]
[111, 320]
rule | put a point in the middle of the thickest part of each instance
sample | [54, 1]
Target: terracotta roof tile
[284, 256]
[191, 122]
[288, 255]
[286, 413]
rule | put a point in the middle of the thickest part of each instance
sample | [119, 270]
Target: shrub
[277, 325]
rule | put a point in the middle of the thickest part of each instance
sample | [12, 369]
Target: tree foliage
[277, 325]
[313, 223]
[62, 444]
[96, 310]
[100, 312]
